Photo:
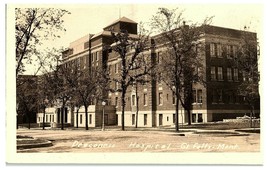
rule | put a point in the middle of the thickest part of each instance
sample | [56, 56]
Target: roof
[122, 19]
[108, 33]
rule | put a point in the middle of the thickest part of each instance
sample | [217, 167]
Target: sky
[92, 18]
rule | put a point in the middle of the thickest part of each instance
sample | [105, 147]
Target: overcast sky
[92, 18]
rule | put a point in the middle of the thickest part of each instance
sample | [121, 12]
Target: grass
[219, 126]
[19, 142]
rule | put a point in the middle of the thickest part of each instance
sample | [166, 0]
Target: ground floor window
[160, 119]
[117, 119]
[200, 118]
[173, 118]
[66, 115]
[81, 119]
[90, 119]
[145, 119]
[194, 118]
[58, 115]
[133, 119]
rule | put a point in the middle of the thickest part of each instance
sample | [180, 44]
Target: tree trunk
[44, 119]
[62, 116]
[17, 122]
[137, 106]
[251, 115]
[189, 116]
[123, 108]
[177, 112]
[77, 116]
[29, 121]
[86, 118]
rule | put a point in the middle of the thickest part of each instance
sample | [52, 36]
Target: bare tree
[32, 87]
[177, 67]
[27, 100]
[246, 61]
[129, 50]
[53, 86]
[32, 27]
[84, 85]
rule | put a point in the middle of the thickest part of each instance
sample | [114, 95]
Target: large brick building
[214, 101]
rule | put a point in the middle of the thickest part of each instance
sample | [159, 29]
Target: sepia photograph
[134, 83]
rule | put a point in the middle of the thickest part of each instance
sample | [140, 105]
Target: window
[212, 73]
[50, 118]
[199, 96]
[173, 98]
[167, 96]
[229, 74]
[219, 50]
[194, 96]
[84, 62]
[173, 118]
[159, 57]
[116, 101]
[228, 51]
[78, 63]
[92, 57]
[145, 99]
[117, 85]
[66, 115]
[133, 119]
[39, 119]
[167, 118]
[212, 50]
[234, 51]
[220, 73]
[220, 96]
[90, 119]
[46, 118]
[160, 98]
[96, 56]
[133, 99]
[81, 119]
[145, 119]
[235, 74]
[116, 68]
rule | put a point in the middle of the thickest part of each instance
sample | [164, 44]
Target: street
[114, 140]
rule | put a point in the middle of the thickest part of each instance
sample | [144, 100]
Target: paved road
[143, 141]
